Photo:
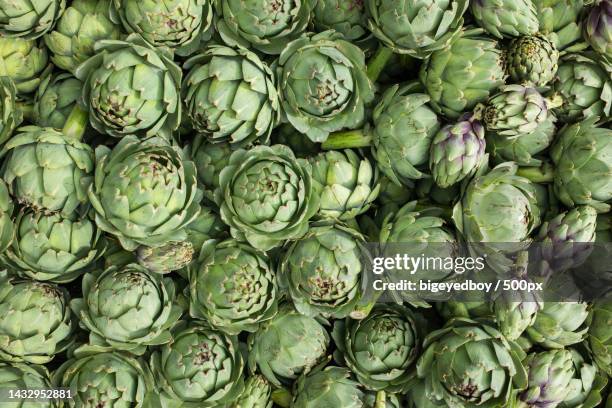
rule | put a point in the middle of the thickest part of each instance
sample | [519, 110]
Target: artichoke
[230, 96]
[256, 394]
[427, 189]
[170, 257]
[584, 82]
[53, 247]
[210, 159]
[138, 96]
[47, 170]
[55, 99]
[179, 25]
[469, 309]
[25, 62]
[83, 24]
[391, 193]
[10, 113]
[111, 379]
[287, 345]
[329, 387]
[144, 193]
[560, 22]
[596, 27]
[382, 348]
[347, 184]
[457, 151]
[201, 367]
[582, 155]
[532, 60]
[18, 376]
[600, 333]
[515, 311]
[506, 18]
[261, 24]
[463, 74]
[7, 228]
[415, 28]
[232, 286]
[35, 320]
[586, 385]
[322, 271]
[346, 17]
[29, 19]
[323, 84]
[559, 324]
[207, 225]
[266, 196]
[127, 308]
[468, 363]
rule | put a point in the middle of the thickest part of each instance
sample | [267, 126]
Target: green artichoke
[179, 25]
[392, 193]
[47, 170]
[468, 363]
[457, 151]
[111, 379]
[18, 376]
[329, 387]
[463, 74]
[82, 24]
[35, 320]
[346, 17]
[382, 348]
[55, 99]
[25, 62]
[127, 308]
[261, 24]
[230, 96]
[287, 345]
[7, 228]
[600, 333]
[323, 84]
[130, 88]
[10, 113]
[201, 367]
[347, 183]
[415, 28]
[53, 247]
[427, 189]
[596, 27]
[560, 22]
[172, 256]
[586, 385]
[207, 225]
[256, 394]
[584, 83]
[532, 59]
[515, 311]
[559, 324]
[144, 193]
[232, 286]
[266, 196]
[29, 19]
[472, 309]
[322, 271]
[210, 159]
[582, 155]
[506, 18]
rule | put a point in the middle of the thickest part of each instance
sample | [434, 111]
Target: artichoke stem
[282, 397]
[377, 63]
[542, 174]
[76, 123]
[347, 140]
[26, 110]
[381, 400]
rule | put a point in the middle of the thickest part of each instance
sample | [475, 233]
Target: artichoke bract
[82, 24]
[596, 27]
[232, 287]
[347, 183]
[169, 257]
[382, 348]
[559, 324]
[35, 320]
[180, 25]
[144, 193]
[47, 169]
[19, 376]
[560, 22]
[256, 394]
[201, 367]
[515, 311]
[207, 225]
[323, 84]
[468, 363]
[415, 28]
[346, 17]
[506, 18]
[587, 383]
[600, 333]
[532, 59]
[53, 247]
[230, 96]
[267, 27]
[7, 227]
[287, 345]
[328, 387]
[582, 155]
[322, 272]
[55, 99]
[457, 151]
[29, 19]
[10, 114]
[584, 82]
[465, 73]
[127, 308]
[210, 159]
[113, 379]
[266, 196]
[25, 62]
[138, 96]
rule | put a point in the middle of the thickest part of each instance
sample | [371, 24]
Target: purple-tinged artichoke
[597, 27]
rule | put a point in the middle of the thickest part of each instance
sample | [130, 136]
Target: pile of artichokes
[191, 191]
